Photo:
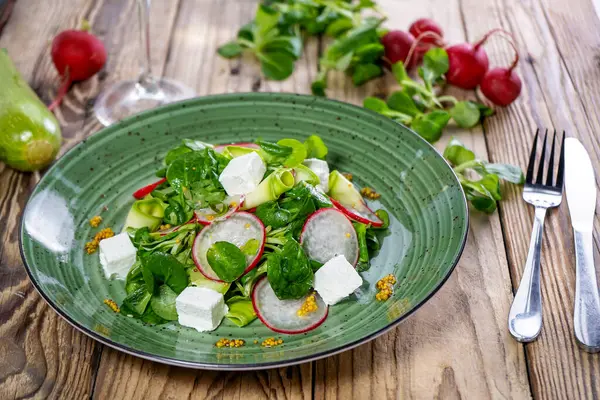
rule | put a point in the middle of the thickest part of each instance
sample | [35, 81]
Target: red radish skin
[467, 65]
[427, 34]
[274, 328]
[423, 25]
[397, 45]
[77, 56]
[502, 85]
[254, 262]
[146, 190]
[354, 216]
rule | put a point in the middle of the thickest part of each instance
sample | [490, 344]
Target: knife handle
[586, 316]
[525, 317]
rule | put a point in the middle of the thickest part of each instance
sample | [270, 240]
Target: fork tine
[561, 164]
[540, 174]
[551, 163]
[531, 165]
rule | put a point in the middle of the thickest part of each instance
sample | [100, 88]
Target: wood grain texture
[552, 100]
[457, 345]
[42, 355]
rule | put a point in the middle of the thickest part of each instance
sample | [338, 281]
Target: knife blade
[580, 187]
[580, 184]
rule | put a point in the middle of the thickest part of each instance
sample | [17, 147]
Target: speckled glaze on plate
[429, 222]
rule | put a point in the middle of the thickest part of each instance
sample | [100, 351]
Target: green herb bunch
[418, 105]
[276, 35]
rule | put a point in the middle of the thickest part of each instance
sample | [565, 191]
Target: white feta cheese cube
[117, 255]
[336, 279]
[200, 308]
[321, 169]
[243, 174]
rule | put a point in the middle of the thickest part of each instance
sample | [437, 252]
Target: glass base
[126, 98]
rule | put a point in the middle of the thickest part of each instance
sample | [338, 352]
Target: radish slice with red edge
[282, 315]
[237, 229]
[207, 216]
[221, 147]
[328, 233]
[359, 212]
[346, 197]
[146, 190]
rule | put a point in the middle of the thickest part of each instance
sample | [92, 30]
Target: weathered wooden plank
[554, 95]
[457, 345]
[200, 28]
[43, 356]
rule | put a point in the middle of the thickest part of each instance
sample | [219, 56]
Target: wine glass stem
[146, 80]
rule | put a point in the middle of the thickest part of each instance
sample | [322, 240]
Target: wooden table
[458, 344]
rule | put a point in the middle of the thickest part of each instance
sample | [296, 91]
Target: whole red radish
[397, 45]
[77, 56]
[502, 85]
[467, 64]
[423, 25]
[427, 34]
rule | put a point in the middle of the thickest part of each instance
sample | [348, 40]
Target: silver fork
[525, 317]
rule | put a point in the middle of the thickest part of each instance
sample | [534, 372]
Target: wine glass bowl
[126, 98]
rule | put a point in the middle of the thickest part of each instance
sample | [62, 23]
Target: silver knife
[580, 186]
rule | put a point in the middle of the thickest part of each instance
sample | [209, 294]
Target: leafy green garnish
[466, 114]
[430, 125]
[163, 303]
[289, 272]
[271, 214]
[297, 155]
[276, 46]
[166, 269]
[248, 280]
[384, 217]
[363, 249]
[136, 302]
[315, 148]
[418, 105]
[484, 191]
[227, 260]
[275, 37]
[194, 167]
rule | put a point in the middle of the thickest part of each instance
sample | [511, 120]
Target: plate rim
[248, 366]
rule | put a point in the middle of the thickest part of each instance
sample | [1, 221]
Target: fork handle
[525, 317]
[586, 317]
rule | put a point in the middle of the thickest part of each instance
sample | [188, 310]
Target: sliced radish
[346, 197]
[237, 229]
[328, 233]
[207, 216]
[359, 212]
[221, 147]
[282, 315]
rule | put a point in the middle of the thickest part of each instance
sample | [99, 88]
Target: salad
[244, 231]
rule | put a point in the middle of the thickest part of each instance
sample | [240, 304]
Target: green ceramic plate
[428, 225]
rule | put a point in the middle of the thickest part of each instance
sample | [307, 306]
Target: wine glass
[126, 98]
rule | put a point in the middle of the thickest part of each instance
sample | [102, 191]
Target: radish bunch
[468, 66]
